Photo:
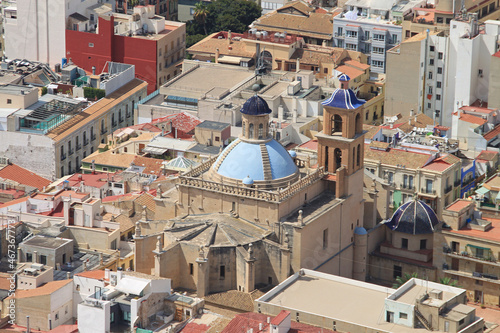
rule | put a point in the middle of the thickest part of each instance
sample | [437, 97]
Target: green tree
[200, 15]
[400, 280]
[448, 281]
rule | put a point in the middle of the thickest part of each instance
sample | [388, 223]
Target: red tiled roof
[441, 128]
[23, 176]
[183, 121]
[97, 274]
[46, 289]
[437, 166]
[487, 155]
[497, 54]
[153, 165]
[459, 205]
[96, 180]
[251, 320]
[492, 234]
[311, 144]
[195, 328]
[493, 133]
[478, 109]
[280, 317]
[472, 119]
[16, 194]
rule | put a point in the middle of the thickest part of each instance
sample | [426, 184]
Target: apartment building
[165, 8]
[33, 28]
[433, 178]
[435, 73]
[368, 34]
[153, 45]
[467, 250]
[50, 135]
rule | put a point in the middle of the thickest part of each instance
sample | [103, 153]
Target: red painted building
[88, 49]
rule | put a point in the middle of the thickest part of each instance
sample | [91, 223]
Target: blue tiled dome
[343, 99]
[247, 180]
[360, 231]
[414, 217]
[245, 160]
[292, 153]
[255, 106]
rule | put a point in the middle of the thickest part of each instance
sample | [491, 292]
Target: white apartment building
[35, 30]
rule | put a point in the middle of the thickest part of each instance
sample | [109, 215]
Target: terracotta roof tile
[395, 157]
[182, 121]
[311, 144]
[209, 45]
[350, 71]
[473, 119]
[23, 176]
[370, 130]
[357, 64]
[409, 122]
[4, 283]
[97, 274]
[493, 133]
[153, 165]
[459, 205]
[232, 299]
[280, 317]
[312, 55]
[46, 289]
[437, 166]
[487, 155]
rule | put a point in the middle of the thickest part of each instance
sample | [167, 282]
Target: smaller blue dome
[414, 217]
[292, 153]
[344, 78]
[360, 231]
[247, 180]
[255, 106]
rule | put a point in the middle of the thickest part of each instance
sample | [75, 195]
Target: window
[404, 243]
[29, 257]
[325, 238]
[367, 48]
[191, 269]
[57, 315]
[390, 177]
[438, 84]
[91, 44]
[438, 97]
[428, 185]
[403, 315]
[340, 31]
[351, 47]
[431, 62]
[440, 55]
[378, 50]
[480, 72]
[461, 322]
[222, 272]
[430, 75]
[455, 247]
[191, 11]
[389, 316]
[410, 183]
[439, 20]
[378, 63]
[397, 271]
[367, 35]
[9, 101]
[394, 39]
[352, 34]
[379, 37]
[440, 70]
[325, 70]
[431, 48]
[43, 259]
[429, 90]
[423, 244]
[340, 43]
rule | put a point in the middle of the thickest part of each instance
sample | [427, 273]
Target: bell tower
[341, 145]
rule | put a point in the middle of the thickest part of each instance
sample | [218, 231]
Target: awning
[478, 247]
[155, 150]
[482, 190]
[131, 286]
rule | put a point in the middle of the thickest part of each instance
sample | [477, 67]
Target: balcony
[491, 261]
[457, 182]
[424, 190]
[337, 35]
[407, 186]
[474, 275]
[121, 119]
[127, 115]
[63, 156]
[114, 123]
[85, 142]
[71, 151]
[104, 131]
[448, 189]
[92, 137]
[78, 147]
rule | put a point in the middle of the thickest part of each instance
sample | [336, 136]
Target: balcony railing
[63, 157]
[448, 189]
[104, 131]
[85, 142]
[127, 115]
[92, 137]
[121, 119]
[78, 147]
[457, 182]
[114, 123]
[71, 151]
[407, 186]
[427, 191]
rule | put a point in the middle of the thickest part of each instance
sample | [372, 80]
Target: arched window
[243, 129]
[337, 124]
[250, 131]
[338, 158]
[353, 156]
[358, 155]
[326, 159]
[261, 131]
[359, 124]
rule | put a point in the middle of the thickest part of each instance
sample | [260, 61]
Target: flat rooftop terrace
[201, 80]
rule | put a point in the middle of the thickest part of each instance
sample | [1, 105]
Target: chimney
[85, 265]
[229, 35]
[93, 167]
[176, 132]
[93, 70]
[106, 274]
[35, 257]
[217, 54]
[119, 274]
[412, 113]
[68, 275]
[260, 326]
[297, 65]
[28, 329]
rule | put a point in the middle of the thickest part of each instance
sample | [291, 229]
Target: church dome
[247, 180]
[414, 217]
[245, 159]
[255, 106]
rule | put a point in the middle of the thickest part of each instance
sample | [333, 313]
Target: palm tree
[400, 280]
[200, 14]
[448, 281]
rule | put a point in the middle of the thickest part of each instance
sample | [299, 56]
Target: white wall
[94, 319]
[61, 302]
[87, 288]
